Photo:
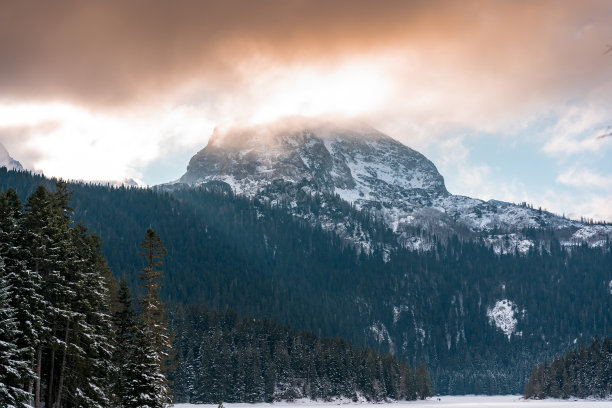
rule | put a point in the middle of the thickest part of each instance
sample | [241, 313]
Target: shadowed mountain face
[374, 173]
[7, 161]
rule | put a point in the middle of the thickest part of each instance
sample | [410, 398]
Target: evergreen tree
[60, 278]
[13, 369]
[423, 382]
[581, 373]
[39, 228]
[26, 298]
[153, 316]
[146, 385]
[92, 342]
[124, 322]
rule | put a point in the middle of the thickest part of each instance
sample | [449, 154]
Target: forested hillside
[226, 358]
[71, 335]
[476, 318]
[584, 372]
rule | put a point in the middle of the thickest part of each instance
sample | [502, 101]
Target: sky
[507, 98]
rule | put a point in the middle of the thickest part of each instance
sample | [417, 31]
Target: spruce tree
[12, 367]
[41, 253]
[153, 316]
[26, 298]
[423, 382]
[66, 276]
[146, 385]
[124, 323]
[92, 341]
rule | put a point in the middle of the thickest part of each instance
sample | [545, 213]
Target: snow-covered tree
[90, 341]
[13, 369]
[124, 322]
[26, 298]
[146, 385]
[62, 283]
[153, 315]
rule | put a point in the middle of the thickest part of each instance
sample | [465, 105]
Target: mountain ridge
[375, 174]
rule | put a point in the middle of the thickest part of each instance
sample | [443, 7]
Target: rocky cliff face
[292, 162]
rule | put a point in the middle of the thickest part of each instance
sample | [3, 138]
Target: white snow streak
[463, 401]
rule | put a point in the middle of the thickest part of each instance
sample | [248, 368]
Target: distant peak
[7, 161]
[347, 158]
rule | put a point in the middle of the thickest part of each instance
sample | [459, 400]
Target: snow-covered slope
[7, 161]
[445, 401]
[374, 173]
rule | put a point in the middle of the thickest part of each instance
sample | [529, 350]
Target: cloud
[489, 66]
[577, 128]
[584, 178]
[71, 142]
[466, 177]
[104, 89]
[111, 53]
[591, 205]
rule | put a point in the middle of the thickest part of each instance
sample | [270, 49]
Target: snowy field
[504, 401]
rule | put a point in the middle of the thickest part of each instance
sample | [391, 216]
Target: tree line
[585, 372]
[68, 333]
[227, 358]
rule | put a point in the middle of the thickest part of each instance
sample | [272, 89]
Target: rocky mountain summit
[7, 161]
[315, 168]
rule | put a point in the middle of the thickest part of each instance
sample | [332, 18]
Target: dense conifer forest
[232, 252]
[71, 335]
[57, 323]
[227, 358]
[585, 372]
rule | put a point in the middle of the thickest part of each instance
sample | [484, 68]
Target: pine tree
[41, 252]
[202, 390]
[63, 282]
[13, 369]
[124, 322]
[423, 382]
[26, 298]
[146, 385]
[92, 342]
[153, 315]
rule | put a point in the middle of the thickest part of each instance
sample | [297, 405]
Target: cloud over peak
[118, 52]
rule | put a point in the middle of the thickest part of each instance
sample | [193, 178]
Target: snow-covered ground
[503, 401]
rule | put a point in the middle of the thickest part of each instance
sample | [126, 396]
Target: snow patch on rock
[381, 334]
[502, 315]
[397, 311]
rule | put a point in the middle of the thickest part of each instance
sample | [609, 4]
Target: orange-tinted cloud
[113, 53]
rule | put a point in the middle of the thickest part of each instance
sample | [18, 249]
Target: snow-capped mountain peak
[281, 162]
[358, 163]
